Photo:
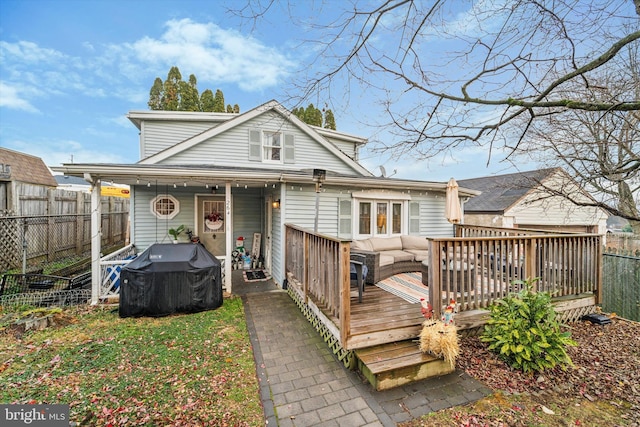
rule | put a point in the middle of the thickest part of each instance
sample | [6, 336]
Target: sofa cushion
[380, 244]
[386, 259]
[363, 245]
[414, 242]
[398, 256]
[420, 255]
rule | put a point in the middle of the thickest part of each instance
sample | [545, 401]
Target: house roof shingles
[27, 168]
[501, 192]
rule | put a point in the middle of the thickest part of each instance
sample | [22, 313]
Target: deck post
[598, 270]
[531, 259]
[345, 293]
[306, 272]
[434, 278]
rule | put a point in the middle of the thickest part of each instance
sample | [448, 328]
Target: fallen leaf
[547, 410]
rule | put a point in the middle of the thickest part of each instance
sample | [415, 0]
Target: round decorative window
[165, 206]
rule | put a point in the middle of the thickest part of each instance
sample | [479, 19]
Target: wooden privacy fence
[40, 239]
[621, 283]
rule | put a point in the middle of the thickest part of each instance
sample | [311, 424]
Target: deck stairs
[394, 364]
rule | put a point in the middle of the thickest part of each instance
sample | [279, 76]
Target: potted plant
[175, 232]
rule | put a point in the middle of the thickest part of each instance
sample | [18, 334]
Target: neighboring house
[228, 175]
[74, 183]
[525, 200]
[23, 177]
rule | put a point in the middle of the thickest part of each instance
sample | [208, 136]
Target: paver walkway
[303, 384]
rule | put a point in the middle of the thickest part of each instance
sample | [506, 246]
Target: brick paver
[303, 384]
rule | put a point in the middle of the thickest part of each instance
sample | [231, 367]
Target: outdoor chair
[358, 272]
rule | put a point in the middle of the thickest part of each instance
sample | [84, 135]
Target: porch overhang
[201, 175]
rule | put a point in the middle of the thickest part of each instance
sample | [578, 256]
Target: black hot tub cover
[171, 278]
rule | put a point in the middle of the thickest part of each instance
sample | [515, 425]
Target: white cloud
[28, 52]
[126, 71]
[213, 54]
[10, 97]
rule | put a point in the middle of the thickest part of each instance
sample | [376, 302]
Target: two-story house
[226, 175]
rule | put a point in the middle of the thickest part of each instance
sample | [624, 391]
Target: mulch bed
[607, 366]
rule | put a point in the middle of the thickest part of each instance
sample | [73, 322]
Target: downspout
[96, 237]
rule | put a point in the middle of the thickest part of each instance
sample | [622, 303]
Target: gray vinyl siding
[231, 148]
[159, 135]
[349, 148]
[248, 216]
[277, 254]
[433, 222]
[146, 227]
[300, 210]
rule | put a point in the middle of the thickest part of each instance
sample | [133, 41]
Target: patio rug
[255, 276]
[407, 286]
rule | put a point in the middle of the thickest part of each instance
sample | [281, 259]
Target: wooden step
[395, 364]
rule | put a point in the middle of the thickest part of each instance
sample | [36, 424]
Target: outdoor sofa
[387, 256]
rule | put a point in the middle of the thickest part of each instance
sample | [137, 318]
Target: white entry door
[210, 224]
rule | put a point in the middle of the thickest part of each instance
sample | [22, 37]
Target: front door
[210, 224]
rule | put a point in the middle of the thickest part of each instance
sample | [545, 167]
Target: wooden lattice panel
[573, 315]
[10, 244]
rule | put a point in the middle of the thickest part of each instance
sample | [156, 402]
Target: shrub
[524, 331]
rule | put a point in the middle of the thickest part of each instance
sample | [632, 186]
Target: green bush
[524, 331]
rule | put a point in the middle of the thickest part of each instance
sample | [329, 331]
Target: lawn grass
[186, 369]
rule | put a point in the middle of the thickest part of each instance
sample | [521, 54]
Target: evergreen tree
[313, 116]
[174, 94]
[329, 120]
[171, 95]
[155, 95]
[218, 102]
[298, 112]
[189, 98]
[206, 101]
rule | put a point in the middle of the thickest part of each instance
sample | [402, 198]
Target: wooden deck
[318, 278]
[382, 318]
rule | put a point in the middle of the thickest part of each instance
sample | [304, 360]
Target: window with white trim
[271, 146]
[380, 217]
[165, 206]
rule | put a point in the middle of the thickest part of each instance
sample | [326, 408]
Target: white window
[364, 218]
[165, 206]
[272, 146]
[382, 219]
[378, 216]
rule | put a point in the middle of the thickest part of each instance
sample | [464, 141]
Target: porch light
[276, 204]
[319, 176]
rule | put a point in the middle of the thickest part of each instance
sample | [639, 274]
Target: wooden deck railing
[480, 266]
[474, 270]
[321, 265]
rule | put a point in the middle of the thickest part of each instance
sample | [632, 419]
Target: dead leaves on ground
[183, 370]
